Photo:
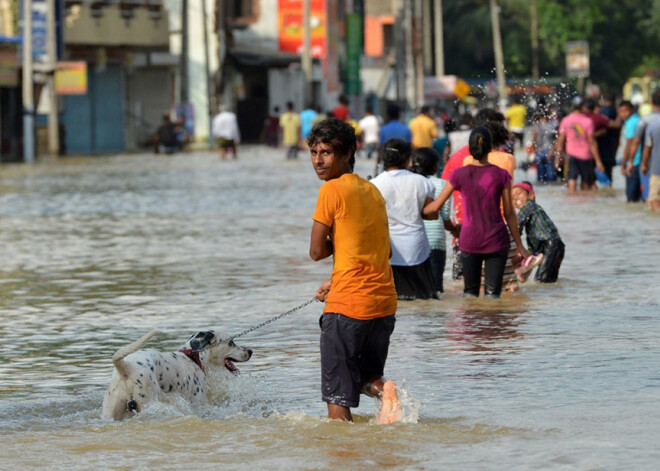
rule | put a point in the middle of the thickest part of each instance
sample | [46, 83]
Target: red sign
[290, 26]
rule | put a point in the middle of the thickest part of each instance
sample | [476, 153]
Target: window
[241, 12]
[388, 38]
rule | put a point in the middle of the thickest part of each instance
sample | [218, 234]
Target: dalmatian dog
[141, 376]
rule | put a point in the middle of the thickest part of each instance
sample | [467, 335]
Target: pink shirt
[456, 162]
[577, 128]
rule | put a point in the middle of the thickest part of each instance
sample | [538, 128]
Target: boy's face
[520, 197]
[624, 112]
[327, 164]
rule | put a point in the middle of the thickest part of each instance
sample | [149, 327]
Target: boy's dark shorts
[353, 352]
[581, 168]
[226, 143]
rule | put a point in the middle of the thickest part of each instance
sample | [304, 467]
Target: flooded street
[94, 253]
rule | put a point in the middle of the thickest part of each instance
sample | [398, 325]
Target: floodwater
[96, 252]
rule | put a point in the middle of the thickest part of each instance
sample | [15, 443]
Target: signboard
[71, 78]
[8, 69]
[40, 29]
[577, 59]
[353, 53]
[290, 27]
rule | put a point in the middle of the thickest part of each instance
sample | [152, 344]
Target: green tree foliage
[622, 34]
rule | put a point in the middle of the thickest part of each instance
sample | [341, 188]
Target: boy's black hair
[338, 134]
[628, 104]
[498, 132]
[589, 104]
[425, 161]
[393, 112]
[481, 142]
[655, 98]
[485, 115]
[395, 153]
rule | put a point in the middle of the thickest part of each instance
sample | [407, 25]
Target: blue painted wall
[94, 122]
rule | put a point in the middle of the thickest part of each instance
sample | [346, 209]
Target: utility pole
[439, 39]
[184, 95]
[400, 61]
[418, 44]
[499, 55]
[533, 10]
[28, 90]
[410, 95]
[54, 109]
[223, 44]
[307, 51]
[427, 21]
[207, 70]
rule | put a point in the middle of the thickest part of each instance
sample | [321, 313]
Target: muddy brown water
[95, 252]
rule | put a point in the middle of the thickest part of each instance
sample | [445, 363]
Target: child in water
[542, 235]
[426, 162]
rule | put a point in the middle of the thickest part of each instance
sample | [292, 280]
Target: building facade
[130, 75]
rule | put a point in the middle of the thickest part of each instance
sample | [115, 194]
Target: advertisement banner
[577, 59]
[8, 69]
[290, 27]
[71, 78]
[40, 29]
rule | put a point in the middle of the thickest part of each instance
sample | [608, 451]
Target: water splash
[409, 405]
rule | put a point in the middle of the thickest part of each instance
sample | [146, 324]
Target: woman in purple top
[484, 236]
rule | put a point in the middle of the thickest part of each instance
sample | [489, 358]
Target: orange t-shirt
[362, 284]
[500, 159]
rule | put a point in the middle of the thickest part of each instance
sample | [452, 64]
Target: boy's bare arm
[646, 158]
[429, 216]
[320, 245]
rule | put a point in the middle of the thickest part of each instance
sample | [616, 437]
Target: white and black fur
[142, 376]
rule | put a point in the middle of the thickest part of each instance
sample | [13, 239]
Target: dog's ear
[201, 340]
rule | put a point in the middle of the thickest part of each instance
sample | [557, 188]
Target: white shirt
[370, 129]
[225, 126]
[405, 195]
[459, 139]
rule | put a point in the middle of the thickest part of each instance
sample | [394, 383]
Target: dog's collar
[193, 355]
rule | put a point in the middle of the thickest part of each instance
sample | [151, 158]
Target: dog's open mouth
[229, 364]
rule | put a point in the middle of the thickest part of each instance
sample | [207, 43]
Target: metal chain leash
[273, 319]
[259, 326]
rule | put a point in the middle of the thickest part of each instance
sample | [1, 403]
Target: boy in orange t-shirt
[350, 223]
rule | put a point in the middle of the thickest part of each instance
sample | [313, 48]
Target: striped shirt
[435, 230]
[538, 225]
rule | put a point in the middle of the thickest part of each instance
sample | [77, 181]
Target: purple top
[483, 228]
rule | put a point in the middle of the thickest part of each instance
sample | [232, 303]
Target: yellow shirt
[290, 124]
[516, 116]
[362, 284]
[423, 131]
[356, 127]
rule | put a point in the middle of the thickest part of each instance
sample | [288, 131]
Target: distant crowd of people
[597, 135]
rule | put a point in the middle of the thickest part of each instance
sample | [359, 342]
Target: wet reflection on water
[96, 252]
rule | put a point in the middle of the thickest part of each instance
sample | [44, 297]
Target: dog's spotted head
[217, 349]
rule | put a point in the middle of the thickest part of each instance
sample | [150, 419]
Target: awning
[11, 39]
[261, 57]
